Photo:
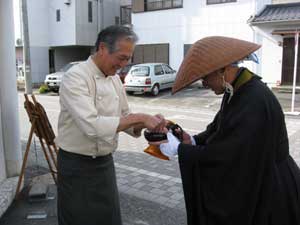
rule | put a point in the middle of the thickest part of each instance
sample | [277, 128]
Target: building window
[151, 5]
[57, 15]
[117, 20]
[125, 14]
[186, 48]
[90, 11]
[211, 2]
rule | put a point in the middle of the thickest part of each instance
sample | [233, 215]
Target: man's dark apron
[87, 190]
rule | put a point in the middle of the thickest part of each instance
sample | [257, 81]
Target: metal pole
[26, 49]
[102, 14]
[98, 15]
[295, 71]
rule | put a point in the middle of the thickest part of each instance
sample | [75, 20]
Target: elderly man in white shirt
[94, 109]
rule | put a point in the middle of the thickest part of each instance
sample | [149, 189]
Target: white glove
[193, 140]
[170, 148]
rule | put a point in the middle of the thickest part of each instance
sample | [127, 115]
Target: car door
[170, 75]
[160, 76]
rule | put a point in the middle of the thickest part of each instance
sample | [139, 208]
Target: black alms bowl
[154, 136]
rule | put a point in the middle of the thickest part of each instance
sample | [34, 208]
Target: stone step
[38, 192]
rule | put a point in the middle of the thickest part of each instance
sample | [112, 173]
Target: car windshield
[66, 67]
[140, 71]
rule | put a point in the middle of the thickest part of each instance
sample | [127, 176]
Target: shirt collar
[96, 71]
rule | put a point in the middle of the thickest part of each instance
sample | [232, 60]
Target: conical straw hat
[208, 55]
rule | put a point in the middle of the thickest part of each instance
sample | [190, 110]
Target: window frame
[90, 11]
[219, 2]
[125, 14]
[58, 17]
[167, 69]
[161, 72]
[149, 9]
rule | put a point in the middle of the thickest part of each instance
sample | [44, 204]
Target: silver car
[53, 80]
[149, 77]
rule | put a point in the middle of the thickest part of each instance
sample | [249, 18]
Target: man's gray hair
[112, 34]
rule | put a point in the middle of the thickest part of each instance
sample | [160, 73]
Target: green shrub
[43, 89]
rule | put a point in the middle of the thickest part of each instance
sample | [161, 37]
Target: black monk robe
[240, 172]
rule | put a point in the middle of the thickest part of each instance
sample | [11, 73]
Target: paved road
[150, 188]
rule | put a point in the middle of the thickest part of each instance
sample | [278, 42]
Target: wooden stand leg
[25, 159]
[52, 155]
[48, 160]
[55, 148]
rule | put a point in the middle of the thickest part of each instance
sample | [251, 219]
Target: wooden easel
[41, 127]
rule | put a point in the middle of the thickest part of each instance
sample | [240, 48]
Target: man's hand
[162, 125]
[155, 123]
[140, 121]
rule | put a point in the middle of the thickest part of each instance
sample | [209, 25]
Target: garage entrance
[151, 53]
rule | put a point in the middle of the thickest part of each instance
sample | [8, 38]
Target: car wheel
[155, 90]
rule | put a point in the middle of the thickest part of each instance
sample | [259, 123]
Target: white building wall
[63, 32]
[271, 62]
[197, 20]
[193, 22]
[260, 4]
[111, 10]
[17, 19]
[86, 32]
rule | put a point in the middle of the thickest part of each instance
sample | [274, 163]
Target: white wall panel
[62, 33]
[197, 20]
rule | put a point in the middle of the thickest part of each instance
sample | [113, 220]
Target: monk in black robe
[238, 171]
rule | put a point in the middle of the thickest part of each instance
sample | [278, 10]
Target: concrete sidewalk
[135, 211]
[147, 198]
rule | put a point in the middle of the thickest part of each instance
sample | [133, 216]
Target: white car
[149, 77]
[53, 80]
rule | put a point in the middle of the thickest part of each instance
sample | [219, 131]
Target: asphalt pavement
[150, 189]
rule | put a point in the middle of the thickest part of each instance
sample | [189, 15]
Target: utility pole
[26, 49]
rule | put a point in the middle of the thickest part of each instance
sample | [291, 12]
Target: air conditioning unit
[67, 2]
[19, 42]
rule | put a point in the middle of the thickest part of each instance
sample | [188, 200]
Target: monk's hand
[186, 138]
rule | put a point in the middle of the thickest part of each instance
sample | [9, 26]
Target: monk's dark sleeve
[202, 137]
[245, 129]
